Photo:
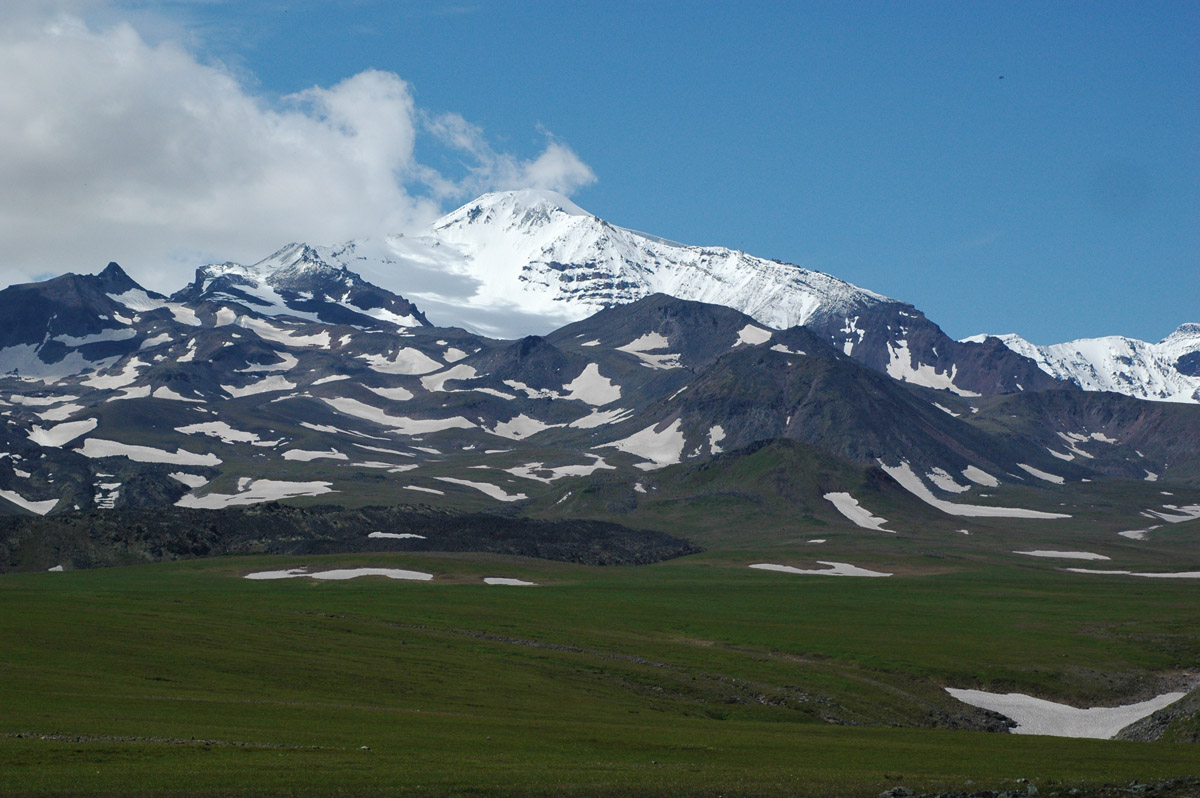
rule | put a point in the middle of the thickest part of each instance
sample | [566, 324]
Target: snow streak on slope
[1166, 371]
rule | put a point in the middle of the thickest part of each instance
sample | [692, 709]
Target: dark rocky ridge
[127, 537]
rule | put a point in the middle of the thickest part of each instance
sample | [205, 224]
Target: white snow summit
[1167, 371]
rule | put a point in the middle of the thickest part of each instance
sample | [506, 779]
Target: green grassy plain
[697, 676]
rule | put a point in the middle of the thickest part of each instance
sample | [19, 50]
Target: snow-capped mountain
[1165, 371]
[517, 263]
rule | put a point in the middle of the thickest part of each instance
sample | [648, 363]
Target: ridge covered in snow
[513, 263]
[1166, 371]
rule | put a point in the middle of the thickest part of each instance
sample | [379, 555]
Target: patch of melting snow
[1057, 480]
[1150, 575]
[504, 580]
[225, 433]
[903, 474]
[540, 473]
[99, 447]
[259, 490]
[848, 506]
[945, 409]
[592, 387]
[424, 490]
[397, 535]
[398, 424]
[305, 455]
[39, 401]
[128, 373]
[942, 479]
[980, 477]
[287, 362]
[134, 392]
[818, 540]
[1038, 716]
[436, 383]
[394, 394]
[59, 413]
[662, 448]
[901, 367]
[652, 342]
[601, 418]
[1178, 514]
[1063, 555]
[265, 385]
[406, 361]
[56, 569]
[39, 507]
[520, 427]
[752, 335]
[495, 491]
[343, 573]
[61, 434]
[163, 392]
[715, 436]
[269, 332]
[786, 351]
[191, 480]
[834, 569]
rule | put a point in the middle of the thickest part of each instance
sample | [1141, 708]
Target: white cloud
[558, 168]
[116, 148]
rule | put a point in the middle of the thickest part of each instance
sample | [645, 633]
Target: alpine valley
[609, 398]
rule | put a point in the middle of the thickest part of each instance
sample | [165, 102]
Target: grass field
[695, 676]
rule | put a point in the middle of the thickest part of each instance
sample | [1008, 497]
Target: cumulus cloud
[116, 148]
[558, 168]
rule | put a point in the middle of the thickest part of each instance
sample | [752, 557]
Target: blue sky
[1024, 167]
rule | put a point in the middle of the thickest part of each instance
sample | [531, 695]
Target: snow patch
[593, 388]
[98, 447]
[39, 507]
[643, 348]
[306, 456]
[901, 367]
[903, 474]
[942, 479]
[834, 569]
[495, 491]
[848, 506]
[343, 573]
[61, 434]
[1057, 480]
[191, 480]
[661, 448]
[406, 361]
[256, 491]
[752, 335]
[1063, 555]
[265, 385]
[1038, 716]
[980, 477]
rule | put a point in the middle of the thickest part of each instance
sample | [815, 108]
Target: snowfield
[1038, 716]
